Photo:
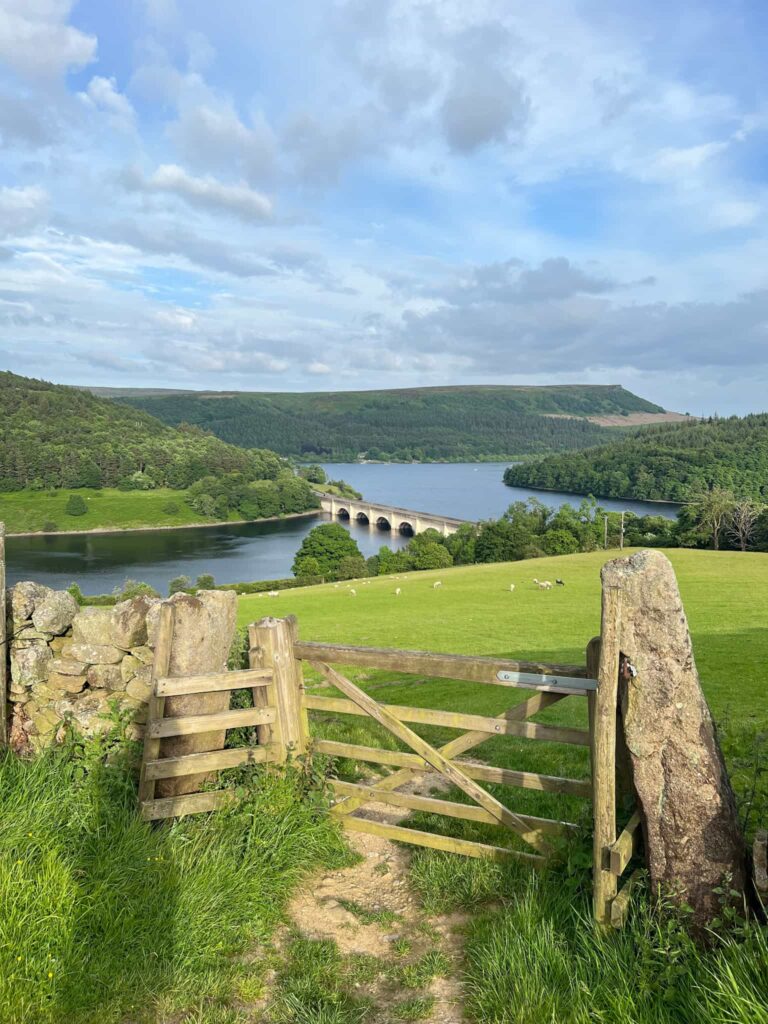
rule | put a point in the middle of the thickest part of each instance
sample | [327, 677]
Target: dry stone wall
[68, 663]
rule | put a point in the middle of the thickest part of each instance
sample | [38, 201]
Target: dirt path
[370, 909]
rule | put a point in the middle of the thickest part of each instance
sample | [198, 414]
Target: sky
[347, 194]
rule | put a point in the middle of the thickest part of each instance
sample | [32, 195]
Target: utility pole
[621, 541]
[605, 533]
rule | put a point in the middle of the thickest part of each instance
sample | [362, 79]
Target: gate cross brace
[434, 758]
[455, 747]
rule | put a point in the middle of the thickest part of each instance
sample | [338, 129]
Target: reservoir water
[260, 551]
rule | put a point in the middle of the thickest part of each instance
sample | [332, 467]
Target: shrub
[134, 588]
[560, 542]
[205, 581]
[76, 505]
[179, 583]
[49, 526]
[171, 508]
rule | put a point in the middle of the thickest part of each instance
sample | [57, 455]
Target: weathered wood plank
[626, 845]
[439, 762]
[214, 760]
[604, 755]
[192, 724]
[414, 765]
[436, 842]
[446, 666]
[274, 637]
[456, 720]
[177, 686]
[156, 707]
[190, 803]
[620, 903]
[4, 652]
[432, 805]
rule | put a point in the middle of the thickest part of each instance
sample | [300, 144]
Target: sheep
[273, 593]
[543, 584]
[560, 583]
[511, 587]
[437, 584]
[353, 592]
[397, 591]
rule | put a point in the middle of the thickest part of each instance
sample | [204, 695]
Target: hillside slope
[424, 424]
[53, 436]
[672, 462]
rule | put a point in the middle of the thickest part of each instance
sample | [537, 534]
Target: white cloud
[103, 94]
[206, 193]
[21, 209]
[318, 369]
[36, 40]
[211, 135]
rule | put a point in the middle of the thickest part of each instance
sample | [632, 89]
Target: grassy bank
[104, 918]
[108, 509]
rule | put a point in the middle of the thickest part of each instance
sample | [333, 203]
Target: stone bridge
[389, 517]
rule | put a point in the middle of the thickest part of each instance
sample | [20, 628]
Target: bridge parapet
[402, 520]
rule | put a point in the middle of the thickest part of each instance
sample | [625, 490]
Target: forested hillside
[424, 424]
[53, 436]
[672, 462]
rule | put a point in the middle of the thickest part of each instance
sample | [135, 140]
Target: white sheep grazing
[397, 592]
[353, 592]
[546, 585]
[511, 587]
[436, 585]
[273, 593]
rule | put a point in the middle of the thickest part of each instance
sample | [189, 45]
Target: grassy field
[31, 511]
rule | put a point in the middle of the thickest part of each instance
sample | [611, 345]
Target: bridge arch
[361, 517]
[406, 529]
[383, 523]
[343, 513]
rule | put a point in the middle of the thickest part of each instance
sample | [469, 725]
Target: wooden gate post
[271, 642]
[4, 646]
[603, 728]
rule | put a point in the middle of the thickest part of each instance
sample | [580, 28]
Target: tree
[205, 581]
[432, 556]
[742, 524]
[179, 583]
[712, 510]
[352, 567]
[314, 473]
[76, 505]
[309, 568]
[327, 544]
[560, 542]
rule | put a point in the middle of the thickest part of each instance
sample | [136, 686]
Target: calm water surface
[259, 551]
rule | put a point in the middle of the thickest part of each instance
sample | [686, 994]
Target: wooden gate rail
[155, 767]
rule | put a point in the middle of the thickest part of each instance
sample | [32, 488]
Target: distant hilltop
[479, 422]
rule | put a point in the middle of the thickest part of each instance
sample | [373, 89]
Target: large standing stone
[692, 836]
[204, 628]
[25, 597]
[54, 614]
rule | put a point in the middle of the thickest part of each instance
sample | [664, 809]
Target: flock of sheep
[541, 584]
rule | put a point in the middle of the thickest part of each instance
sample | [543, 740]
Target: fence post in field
[3, 646]
[271, 643]
[603, 728]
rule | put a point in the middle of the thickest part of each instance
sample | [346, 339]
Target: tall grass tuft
[104, 918]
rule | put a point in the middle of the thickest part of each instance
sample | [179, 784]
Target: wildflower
[50, 974]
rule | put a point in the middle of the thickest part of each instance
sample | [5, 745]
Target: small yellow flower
[19, 957]
[29, 833]
[50, 974]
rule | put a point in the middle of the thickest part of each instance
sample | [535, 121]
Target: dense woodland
[54, 437]
[420, 424]
[673, 462]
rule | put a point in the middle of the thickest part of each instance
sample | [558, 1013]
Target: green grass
[30, 511]
[104, 918]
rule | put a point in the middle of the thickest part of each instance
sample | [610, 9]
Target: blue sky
[382, 193]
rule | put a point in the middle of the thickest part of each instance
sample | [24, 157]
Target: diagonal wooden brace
[455, 747]
[434, 758]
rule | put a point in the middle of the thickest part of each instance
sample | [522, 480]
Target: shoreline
[180, 526]
[597, 497]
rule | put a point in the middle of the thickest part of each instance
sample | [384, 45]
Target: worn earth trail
[369, 909]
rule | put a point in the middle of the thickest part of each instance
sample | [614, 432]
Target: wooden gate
[282, 709]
